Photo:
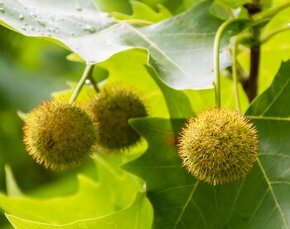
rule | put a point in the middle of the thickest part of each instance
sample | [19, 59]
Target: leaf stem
[238, 39]
[86, 74]
[235, 74]
[94, 83]
[217, 42]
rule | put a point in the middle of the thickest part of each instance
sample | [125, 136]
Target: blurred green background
[30, 70]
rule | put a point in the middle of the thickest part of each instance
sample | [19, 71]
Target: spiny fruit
[59, 135]
[218, 146]
[111, 109]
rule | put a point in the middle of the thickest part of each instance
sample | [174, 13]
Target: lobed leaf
[260, 200]
[113, 200]
[180, 48]
[131, 217]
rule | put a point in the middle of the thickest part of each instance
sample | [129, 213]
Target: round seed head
[59, 135]
[218, 146]
[111, 109]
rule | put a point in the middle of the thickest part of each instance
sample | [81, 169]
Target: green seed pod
[59, 135]
[111, 109]
[218, 146]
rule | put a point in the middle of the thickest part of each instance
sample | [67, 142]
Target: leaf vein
[273, 195]
[173, 188]
[153, 45]
[186, 204]
[201, 213]
[270, 118]
[235, 202]
[275, 154]
[258, 206]
[277, 96]
[280, 182]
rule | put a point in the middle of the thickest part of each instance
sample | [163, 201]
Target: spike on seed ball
[111, 109]
[59, 135]
[218, 146]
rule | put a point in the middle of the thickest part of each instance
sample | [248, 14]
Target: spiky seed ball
[59, 135]
[111, 109]
[218, 146]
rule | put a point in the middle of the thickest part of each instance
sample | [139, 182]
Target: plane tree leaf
[180, 48]
[131, 217]
[142, 12]
[260, 200]
[114, 199]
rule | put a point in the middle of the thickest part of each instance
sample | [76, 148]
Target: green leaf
[113, 5]
[274, 101]
[221, 11]
[131, 217]
[52, 210]
[132, 72]
[180, 48]
[123, 6]
[90, 204]
[161, 169]
[175, 6]
[143, 13]
[205, 99]
[11, 184]
[260, 200]
[275, 50]
[178, 103]
[232, 3]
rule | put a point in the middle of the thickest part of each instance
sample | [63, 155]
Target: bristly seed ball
[111, 109]
[218, 146]
[59, 135]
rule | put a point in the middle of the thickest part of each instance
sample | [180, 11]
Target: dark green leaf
[260, 200]
[274, 101]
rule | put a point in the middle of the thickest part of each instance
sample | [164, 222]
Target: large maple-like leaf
[260, 200]
[111, 202]
[131, 217]
[180, 48]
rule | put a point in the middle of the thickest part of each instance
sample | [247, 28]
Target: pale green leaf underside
[261, 200]
[180, 48]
